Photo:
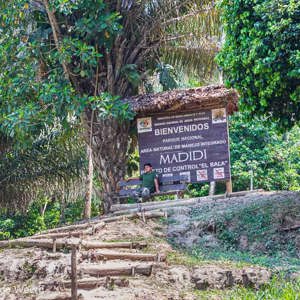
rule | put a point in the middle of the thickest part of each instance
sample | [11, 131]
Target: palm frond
[187, 34]
[51, 166]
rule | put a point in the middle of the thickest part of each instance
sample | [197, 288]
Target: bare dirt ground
[25, 272]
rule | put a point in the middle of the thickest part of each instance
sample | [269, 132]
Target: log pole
[54, 245]
[86, 284]
[95, 256]
[228, 186]
[121, 270]
[74, 274]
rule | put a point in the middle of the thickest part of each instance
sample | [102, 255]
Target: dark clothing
[148, 180]
[142, 192]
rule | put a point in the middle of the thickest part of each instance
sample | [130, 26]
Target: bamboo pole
[99, 223]
[118, 207]
[212, 188]
[168, 203]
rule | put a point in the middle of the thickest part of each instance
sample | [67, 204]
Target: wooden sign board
[194, 144]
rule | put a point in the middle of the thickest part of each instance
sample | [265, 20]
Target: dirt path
[139, 264]
[36, 273]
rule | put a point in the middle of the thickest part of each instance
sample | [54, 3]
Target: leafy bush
[6, 225]
[261, 57]
[198, 190]
[273, 158]
[42, 215]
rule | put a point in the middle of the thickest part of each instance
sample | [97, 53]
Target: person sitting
[150, 183]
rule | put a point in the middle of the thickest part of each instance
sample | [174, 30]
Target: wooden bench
[171, 185]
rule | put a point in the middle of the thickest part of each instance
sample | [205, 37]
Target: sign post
[194, 144]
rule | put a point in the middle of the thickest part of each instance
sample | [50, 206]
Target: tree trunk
[109, 149]
[89, 185]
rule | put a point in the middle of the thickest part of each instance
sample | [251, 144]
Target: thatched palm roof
[212, 96]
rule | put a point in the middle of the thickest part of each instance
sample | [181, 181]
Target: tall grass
[277, 289]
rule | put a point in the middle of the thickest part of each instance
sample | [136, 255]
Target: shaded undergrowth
[252, 232]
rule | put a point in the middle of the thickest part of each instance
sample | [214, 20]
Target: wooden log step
[156, 207]
[74, 227]
[86, 283]
[92, 230]
[120, 210]
[119, 207]
[27, 243]
[58, 296]
[289, 228]
[113, 245]
[131, 208]
[98, 256]
[46, 240]
[120, 269]
[48, 244]
[134, 215]
[97, 224]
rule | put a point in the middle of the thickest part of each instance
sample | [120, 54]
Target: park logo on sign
[218, 115]
[202, 175]
[144, 125]
[219, 173]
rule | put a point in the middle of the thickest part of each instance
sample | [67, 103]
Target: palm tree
[185, 34]
[136, 34]
[54, 166]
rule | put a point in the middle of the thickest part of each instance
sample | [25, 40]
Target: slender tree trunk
[89, 185]
[63, 210]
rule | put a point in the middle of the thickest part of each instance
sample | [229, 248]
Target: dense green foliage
[38, 94]
[278, 289]
[35, 89]
[59, 58]
[50, 53]
[68, 62]
[261, 56]
[273, 158]
[43, 214]
[51, 166]
[259, 148]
